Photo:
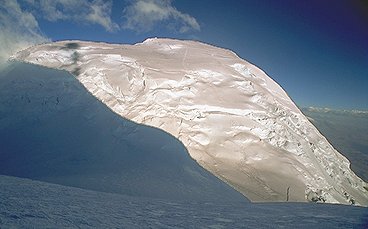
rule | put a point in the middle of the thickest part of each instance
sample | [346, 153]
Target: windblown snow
[26, 203]
[235, 121]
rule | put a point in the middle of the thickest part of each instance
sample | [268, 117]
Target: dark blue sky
[316, 50]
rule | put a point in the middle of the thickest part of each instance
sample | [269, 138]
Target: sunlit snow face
[234, 119]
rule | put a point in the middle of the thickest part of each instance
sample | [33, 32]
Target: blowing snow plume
[19, 29]
[235, 121]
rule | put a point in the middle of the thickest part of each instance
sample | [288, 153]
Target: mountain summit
[234, 120]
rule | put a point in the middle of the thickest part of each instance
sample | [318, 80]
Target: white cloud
[81, 11]
[58, 9]
[100, 14]
[143, 15]
[19, 29]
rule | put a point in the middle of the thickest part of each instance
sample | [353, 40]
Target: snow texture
[25, 203]
[52, 129]
[234, 120]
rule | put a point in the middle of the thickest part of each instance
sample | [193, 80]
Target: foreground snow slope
[52, 129]
[25, 203]
[234, 120]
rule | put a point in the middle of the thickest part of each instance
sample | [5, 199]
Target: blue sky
[316, 50]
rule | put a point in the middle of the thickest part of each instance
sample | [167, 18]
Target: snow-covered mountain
[52, 129]
[234, 120]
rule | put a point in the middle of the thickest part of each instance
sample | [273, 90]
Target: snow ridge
[234, 120]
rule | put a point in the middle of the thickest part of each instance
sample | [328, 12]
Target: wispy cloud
[19, 29]
[143, 15]
[19, 26]
[80, 11]
[100, 14]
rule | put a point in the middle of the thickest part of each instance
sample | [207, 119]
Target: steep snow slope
[233, 119]
[25, 203]
[347, 130]
[52, 129]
